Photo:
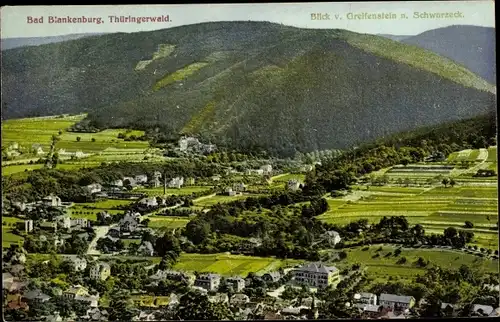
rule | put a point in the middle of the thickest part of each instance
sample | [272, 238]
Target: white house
[293, 185]
[78, 263]
[83, 222]
[93, 188]
[176, 182]
[149, 202]
[117, 183]
[100, 271]
[131, 181]
[210, 282]
[237, 283]
[239, 187]
[332, 237]
[52, 201]
[266, 169]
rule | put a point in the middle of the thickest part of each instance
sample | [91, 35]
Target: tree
[452, 182]
[468, 224]
[93, 140]
[445, 182]
[120, 307]
[196, 306]
[78, 139]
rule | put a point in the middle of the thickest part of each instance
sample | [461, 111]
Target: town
[127, 241]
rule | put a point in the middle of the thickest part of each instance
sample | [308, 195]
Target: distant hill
[471, 46]
[246, 84]
[394, 37]
[9, 43]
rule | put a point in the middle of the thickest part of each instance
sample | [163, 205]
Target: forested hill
[246, 84]
[470, 46]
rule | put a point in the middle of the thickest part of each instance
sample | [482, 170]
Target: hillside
[245, 84]
[471, 46]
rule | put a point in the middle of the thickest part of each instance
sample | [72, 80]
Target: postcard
[249, 161]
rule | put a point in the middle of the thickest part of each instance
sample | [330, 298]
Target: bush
[401, 261]
[468, 224]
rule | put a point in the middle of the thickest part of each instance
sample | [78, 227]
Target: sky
[14, 19]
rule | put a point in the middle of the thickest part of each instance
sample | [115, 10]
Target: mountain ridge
[248, 84]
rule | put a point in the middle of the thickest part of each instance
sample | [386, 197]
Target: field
[7, 236]
[436, 209]
[99, 147]
[167, 222]
[38, 130]
[90, 210]
[208, 202]
[229, 265]
[385, 264]
[171, 191]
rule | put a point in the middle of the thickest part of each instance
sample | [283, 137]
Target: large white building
[293, 185]
[210, 282]
[52, 201]
[176, 182]
[316, 275]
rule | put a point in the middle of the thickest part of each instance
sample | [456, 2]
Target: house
[230, 192]
[26, 225]
[79, 264]
[176, 182]
[76, 290]
[366, 298]
[39, 150]
[129, 181]
[293, 185]
[219, 298]
[369, 310]
[396, 302]
[14, 146]
[48, 225]
[237, 283]
[82, 222]
[267, 169]
[190, 181]
[332, 237]
[93, 188]
[170, 275]
[117, 183]
[271, 277]
[63, 221]
[146, 249]
[128, 224]
[13, 153]
[239, 299]
[210, 282]
[20, 205]
[186, 142]
[7, 278]
[149, 202]
[36, 296]
[17, 269]
[52, 201]
[215, 177]
[141, 178]
[481, 310]
[100, 271]
[157, 174]
[89, 300]
[155, 183]
[239, 187]
[495, 312]
[316, 275]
